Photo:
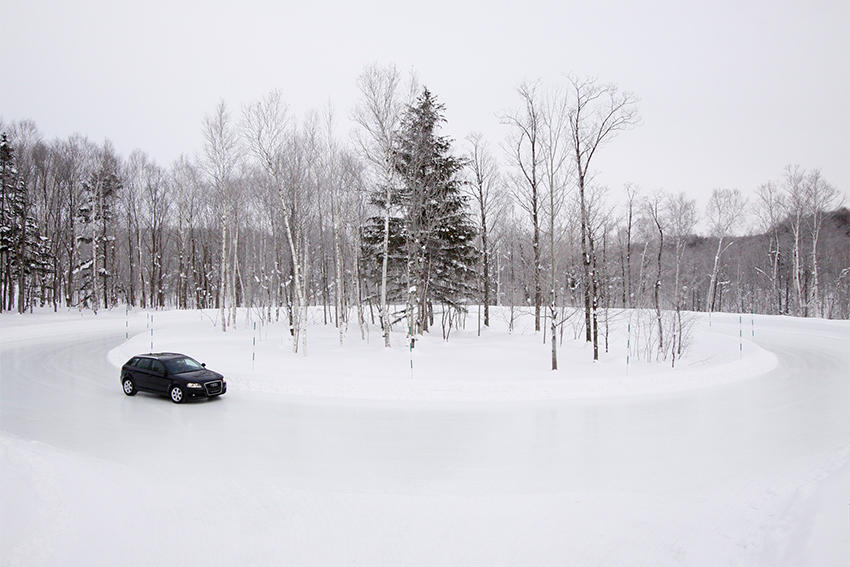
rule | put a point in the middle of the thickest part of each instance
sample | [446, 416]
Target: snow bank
[45, 326]
[496, 367]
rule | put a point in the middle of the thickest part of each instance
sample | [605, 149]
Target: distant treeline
[278, 214]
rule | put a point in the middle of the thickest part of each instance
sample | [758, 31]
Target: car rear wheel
[176, 394]
[129, 387]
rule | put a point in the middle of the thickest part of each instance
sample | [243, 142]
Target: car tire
[177, 395]
[128, 386]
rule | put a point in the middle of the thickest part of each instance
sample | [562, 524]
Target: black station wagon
[178, 376]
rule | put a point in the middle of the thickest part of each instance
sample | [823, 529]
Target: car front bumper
[207, 390]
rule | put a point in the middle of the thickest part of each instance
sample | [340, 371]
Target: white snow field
[481, 457]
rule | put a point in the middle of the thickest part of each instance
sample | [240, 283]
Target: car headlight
[193, 385]
[224, 380]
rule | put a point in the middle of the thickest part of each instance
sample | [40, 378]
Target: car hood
[203, 375]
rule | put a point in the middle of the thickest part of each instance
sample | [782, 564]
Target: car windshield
[185, 364]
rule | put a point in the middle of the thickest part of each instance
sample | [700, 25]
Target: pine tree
[432, 255]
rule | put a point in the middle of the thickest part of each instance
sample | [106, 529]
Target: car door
[158, 378]
[142, 374]
[129, 369]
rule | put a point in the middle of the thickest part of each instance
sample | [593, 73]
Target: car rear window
[144, 364]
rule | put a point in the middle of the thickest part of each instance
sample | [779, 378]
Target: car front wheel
[177, 394]
[129, 387]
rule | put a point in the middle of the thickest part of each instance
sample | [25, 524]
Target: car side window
[144, 364]
[157, 367]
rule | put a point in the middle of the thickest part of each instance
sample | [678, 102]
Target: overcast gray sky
[730, 91]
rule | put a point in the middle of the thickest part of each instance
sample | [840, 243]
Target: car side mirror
[204, 364]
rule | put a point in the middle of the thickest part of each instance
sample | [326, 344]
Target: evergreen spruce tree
[432, 240]
[24, 253]
[32, 261]
[8, 224]
[38, 262]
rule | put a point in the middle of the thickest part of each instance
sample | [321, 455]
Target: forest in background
[278, 213]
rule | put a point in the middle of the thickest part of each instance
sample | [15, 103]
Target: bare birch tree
[628, 292]
[187, 187]
[597, 114]
[654, 208]
[556, 172]
[276, 148]
[334, 168]
[724, 212]
[796, 206]
[527, 156]
[155, 204]
[820, 198]
[221, 147]
[770, 214]
[682, 218]
[379, 117]
[484, 186]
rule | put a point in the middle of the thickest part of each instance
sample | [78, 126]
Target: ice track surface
[753, 472]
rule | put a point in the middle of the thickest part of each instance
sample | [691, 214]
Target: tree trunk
[594, 291]
[798, 288]
[486, 261]
[817, 308]
[658, 290]
[342, 318]
[536, 249]
[21, 261]
[384, 315]
[234, 268]
[585, 261]
[628, 278]
[299, 307]
[223, 279]
[94, 246]
[143, 299]
[712, 283]
[552, 296]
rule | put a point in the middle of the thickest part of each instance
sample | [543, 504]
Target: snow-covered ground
[481, 456]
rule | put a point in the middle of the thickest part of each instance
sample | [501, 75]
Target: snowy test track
[750, 472]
